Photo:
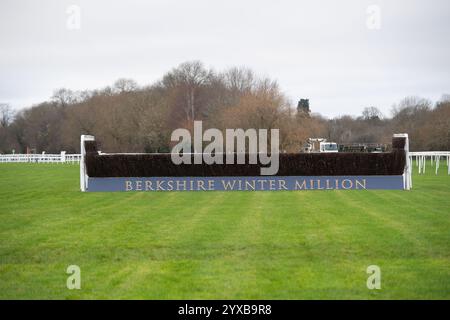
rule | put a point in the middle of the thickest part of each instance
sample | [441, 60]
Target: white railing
[435, 158]
[41, 158]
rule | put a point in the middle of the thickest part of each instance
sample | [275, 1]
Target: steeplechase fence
[300, 171]
[41, 158]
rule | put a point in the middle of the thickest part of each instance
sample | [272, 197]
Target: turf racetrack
[219, 245]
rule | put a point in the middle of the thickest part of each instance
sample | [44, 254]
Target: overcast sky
[331, 52]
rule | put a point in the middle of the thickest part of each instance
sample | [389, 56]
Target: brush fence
[300, 171]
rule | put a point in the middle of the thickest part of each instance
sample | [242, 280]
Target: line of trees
[128, 118]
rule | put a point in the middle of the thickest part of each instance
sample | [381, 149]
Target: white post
[407, 179]
[420, 163]
[410, 172]
[424, 164]
[448, 165]
[63, 157]
[436, 159]
[83, 174]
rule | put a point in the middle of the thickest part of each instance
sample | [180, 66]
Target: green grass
[220, 245]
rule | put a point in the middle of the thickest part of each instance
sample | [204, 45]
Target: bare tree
[63, 97]
[6, 114]
[239, 80]
[187, 79]
[125, 85]
[372, 113]
[6, 118]
[411, 106]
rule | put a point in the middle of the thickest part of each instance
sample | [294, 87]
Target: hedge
[290, 164]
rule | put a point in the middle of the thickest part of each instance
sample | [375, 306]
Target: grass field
[219, 245]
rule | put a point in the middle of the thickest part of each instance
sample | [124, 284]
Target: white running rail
[41, 158]
[435, 158]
